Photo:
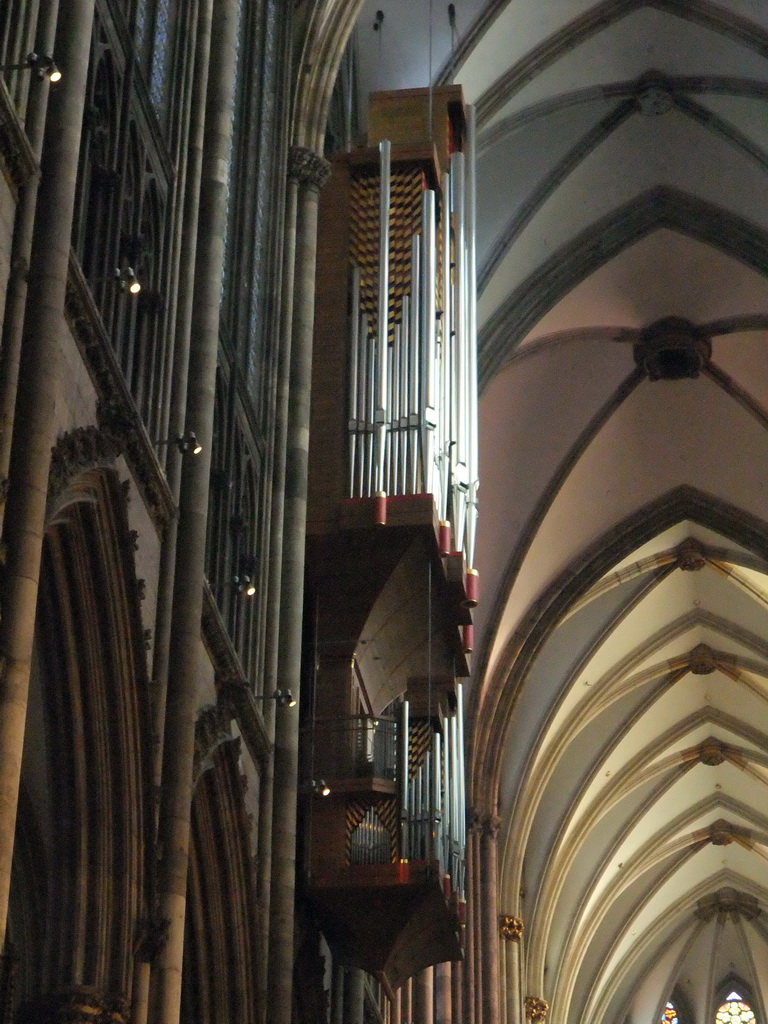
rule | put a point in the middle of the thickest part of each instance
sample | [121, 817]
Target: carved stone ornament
[510, 928]
[691, 556]
[491, 826]
[212, 729]
[728, 903]
[79, 450]
[307, 168]
[79, 1005]
[152, 938]
[672, 349]
[702, 661]
[16, 157]
[474, 822]
[536, 1009]
[712, 752]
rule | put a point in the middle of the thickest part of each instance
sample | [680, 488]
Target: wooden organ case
[391, 531]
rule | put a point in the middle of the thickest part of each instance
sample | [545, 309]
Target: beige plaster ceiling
[620, 698]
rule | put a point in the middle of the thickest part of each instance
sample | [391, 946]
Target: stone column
[186, 650]
[36, 409]
[473, 944]
[395, 1010]
[337, 994]
[511, 932]
[406, 1002]
[443, 996]
[457, 990]
[423, 997]
[21, 246]
[310, 172]
[354, 995]
[490, 921]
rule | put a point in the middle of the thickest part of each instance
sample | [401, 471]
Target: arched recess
[325, 29]
[576, 260]
[87, 745]
[221, 946]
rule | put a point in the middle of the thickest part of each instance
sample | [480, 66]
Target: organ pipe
[412, 416]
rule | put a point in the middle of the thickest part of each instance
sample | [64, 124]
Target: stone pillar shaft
[443, 995]
[310, 172]
[21, 247]
[35, 410]
[473, 936]
[185, 641]
[354, 995]
[490, 922]
[423, 997]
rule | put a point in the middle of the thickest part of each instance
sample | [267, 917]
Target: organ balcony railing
[395, 819]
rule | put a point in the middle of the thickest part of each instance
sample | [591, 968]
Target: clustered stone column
[511, 932]
[310, 172]
[472, 982]
[35, 410]
[490, 917]
[185, 641]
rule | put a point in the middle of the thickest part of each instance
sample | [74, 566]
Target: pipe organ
[392, 517]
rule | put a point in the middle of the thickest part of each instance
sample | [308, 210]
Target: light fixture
[321, 787]
[244, 585]
[284, 698]
[187, 443]
[128, 280]
[42, 64]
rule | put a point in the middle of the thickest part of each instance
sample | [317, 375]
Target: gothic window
[152, 40]
[669, 1015]
[735, 1011]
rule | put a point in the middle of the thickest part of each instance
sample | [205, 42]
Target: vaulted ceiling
[619, 699]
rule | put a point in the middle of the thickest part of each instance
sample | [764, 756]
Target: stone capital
[510, 928]
[491, 826]
[536, 1009]
[307, 169]
[474, 822]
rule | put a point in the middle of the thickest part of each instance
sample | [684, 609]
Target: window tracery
[669, 1014]
[735, 1011]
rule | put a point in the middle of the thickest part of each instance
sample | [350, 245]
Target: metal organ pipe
[380, 416]
[404, 777]
[414, 368]
[446, 362]
[412, 415]
[428, 352]
[472, 331]
[354, 380]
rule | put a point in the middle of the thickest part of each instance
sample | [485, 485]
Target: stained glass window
[734, 1011]
[669, 1016]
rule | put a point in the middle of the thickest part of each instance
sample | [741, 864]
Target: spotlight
[321, 787]
[284, 698]
[186, 443]
[42, 64]
[128, 280]
[244, 585]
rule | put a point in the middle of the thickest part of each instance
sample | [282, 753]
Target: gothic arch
[89, 733]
